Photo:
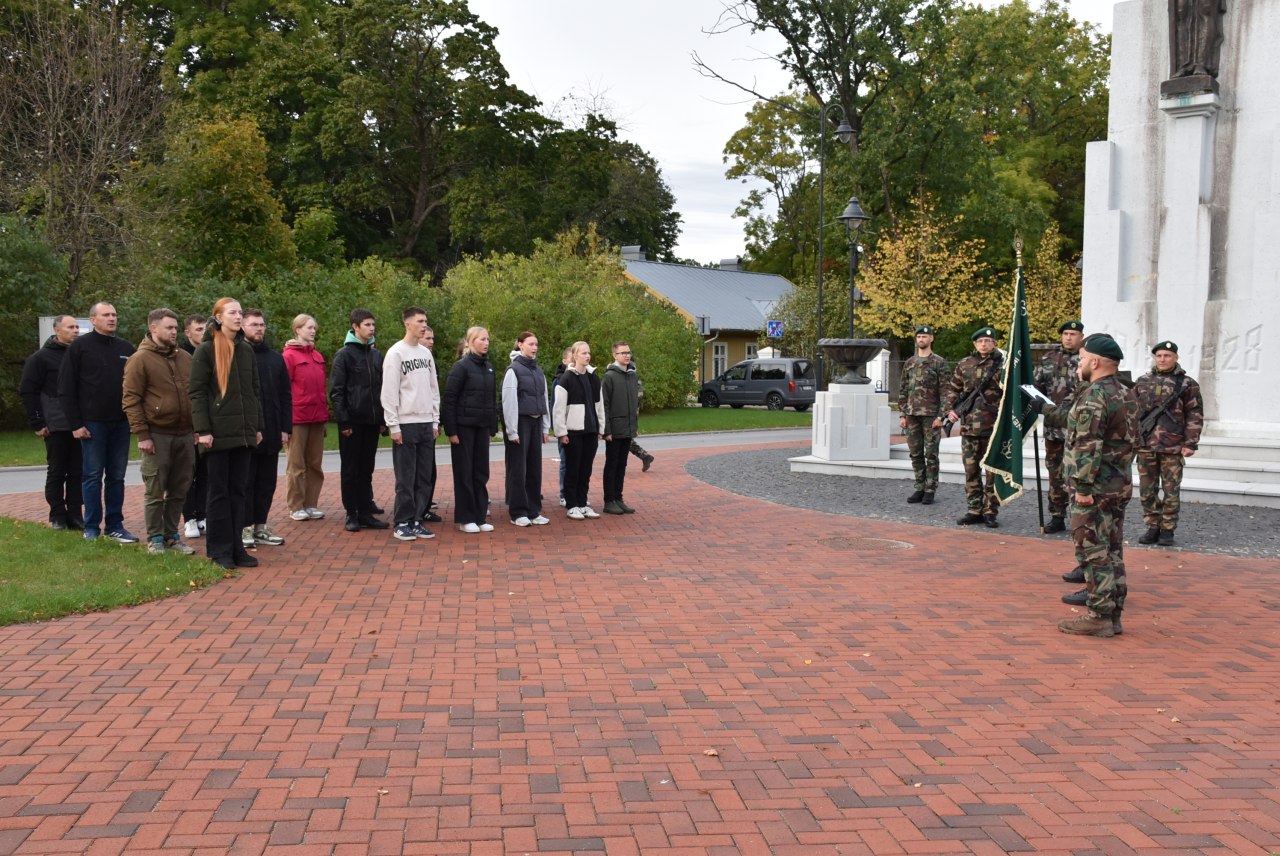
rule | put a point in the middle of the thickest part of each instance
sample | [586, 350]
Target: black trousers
[524, 469]
[357, 453]
[62, 479]
[615, 467]
[579, 458]
[263, 470]
[198, 494]
[228, 507]
[470, 458]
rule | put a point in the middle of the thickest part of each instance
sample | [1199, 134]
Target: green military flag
[1015, 419]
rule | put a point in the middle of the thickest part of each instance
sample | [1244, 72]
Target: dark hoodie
[39, 387]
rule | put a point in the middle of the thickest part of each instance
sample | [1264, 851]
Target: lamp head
[853, 216]
[844, 131]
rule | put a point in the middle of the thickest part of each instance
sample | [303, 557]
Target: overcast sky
[636, 60]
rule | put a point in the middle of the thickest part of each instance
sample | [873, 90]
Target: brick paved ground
[712, 675]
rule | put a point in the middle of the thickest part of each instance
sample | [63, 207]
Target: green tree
[32, 278]
[1053, 287]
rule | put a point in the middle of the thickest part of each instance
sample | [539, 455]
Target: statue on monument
[1195, 38]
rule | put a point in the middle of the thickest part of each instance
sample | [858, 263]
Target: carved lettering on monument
[1242, 353]
[1195, 44]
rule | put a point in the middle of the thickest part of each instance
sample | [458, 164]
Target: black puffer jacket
[233, 417]
[39, 388]
[470, 396]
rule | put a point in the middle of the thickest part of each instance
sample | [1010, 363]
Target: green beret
[924, 330]
[1078, 326]
[1102, 345]
[1165, 346]
[983, 332]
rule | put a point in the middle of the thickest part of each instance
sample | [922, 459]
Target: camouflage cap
[983, 333]
[1102, 345]
[1077, 325]
[1165, 346]
[924, 330]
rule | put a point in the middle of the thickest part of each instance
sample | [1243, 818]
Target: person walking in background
[304, 461]
[578, 419]
[355, 387]
[410, 398]
[1056, 377]
[1172, 417]
[973, 400]
[158, 407]
[45, 416]
[526, 415]
[470, 417]
[620, 396]
[90, 385]
[920, 407]
[193, 508]
[636, 449]
[227, 413]
[276, 396]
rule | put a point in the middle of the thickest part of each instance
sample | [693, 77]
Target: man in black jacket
[39, 389]
[277, 425]
[90, 387]
[355, 386]
[193, 508]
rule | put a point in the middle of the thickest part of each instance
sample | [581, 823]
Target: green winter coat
[621, 392]
[234, 418]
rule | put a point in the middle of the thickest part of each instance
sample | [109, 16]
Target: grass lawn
[24, 448]
[46, 574]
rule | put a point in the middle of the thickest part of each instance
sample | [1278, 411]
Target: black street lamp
[853, 217]
[844, 133]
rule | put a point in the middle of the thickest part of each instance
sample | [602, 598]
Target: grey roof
[731, 299]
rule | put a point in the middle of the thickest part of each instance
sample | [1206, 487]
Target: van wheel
[801, 408]
[773, 401]
[710, 399]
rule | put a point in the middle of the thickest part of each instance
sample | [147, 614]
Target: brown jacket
[155, 390]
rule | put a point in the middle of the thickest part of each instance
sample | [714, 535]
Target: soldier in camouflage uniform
[920, 400]
[983, 369]
[1175, 436]
[1056, 378]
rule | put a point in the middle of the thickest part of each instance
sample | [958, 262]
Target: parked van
[775, 383]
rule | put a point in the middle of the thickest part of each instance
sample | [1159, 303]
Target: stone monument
[1182, 205]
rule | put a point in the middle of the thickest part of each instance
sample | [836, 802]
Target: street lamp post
[844, 132]
[853, 217]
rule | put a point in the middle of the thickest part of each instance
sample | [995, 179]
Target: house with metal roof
[728, 305]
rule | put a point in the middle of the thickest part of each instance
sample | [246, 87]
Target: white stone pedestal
[851, 423]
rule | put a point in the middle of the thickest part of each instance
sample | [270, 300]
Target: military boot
[927, 499]
[970, 518]
[1088, 625]
[1055, 524]
[916, 497]
[1075, 575]
[991, 521]
[1116, 629]
[1151, 536]
[1077, 598]
[1166, 538]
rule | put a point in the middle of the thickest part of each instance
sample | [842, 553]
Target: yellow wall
[737, 352]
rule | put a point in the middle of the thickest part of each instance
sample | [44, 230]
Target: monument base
[851, 423]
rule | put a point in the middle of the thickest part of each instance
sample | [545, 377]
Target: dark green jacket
[621, 392]
[234, 418]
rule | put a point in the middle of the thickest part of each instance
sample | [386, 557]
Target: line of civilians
[213, 413]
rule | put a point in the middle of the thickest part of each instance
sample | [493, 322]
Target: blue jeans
[105, 455]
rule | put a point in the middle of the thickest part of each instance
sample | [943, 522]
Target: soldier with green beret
[975, 390]
[1056, 378]
[920, 405]
[1172, 417]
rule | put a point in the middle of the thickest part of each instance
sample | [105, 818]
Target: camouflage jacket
[969, 374]
[1056, 378]
[1102, 436]
[924, 386]
[1180, 425]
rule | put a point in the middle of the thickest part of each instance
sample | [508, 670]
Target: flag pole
[1035, 433]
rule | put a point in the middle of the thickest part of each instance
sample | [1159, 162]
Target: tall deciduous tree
[1053, 287]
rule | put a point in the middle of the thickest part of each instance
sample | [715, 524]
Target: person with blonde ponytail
[226, 410]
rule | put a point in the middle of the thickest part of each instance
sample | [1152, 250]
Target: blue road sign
[773, 329]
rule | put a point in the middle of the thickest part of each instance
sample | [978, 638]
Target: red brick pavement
[712, 675]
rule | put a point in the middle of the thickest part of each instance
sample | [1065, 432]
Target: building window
[751, 350]
[719, 358]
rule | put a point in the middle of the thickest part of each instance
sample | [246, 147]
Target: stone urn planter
[852, 355]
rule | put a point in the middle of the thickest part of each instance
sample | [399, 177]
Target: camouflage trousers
[1058, 494]
[981, 498]
[1157, 470]
[1098, 531]
[922, 442]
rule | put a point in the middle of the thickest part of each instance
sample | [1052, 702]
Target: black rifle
[971, 400]
[1152, 416]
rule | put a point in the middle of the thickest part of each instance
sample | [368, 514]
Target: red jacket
[306, 375]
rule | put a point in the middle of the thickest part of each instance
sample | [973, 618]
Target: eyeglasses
[624, 353]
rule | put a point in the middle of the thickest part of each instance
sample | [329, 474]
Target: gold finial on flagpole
[1017, 249]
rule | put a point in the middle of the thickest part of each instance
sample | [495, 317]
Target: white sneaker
[539, 521]
[315, 513]
[192, 529]
[522, 521]
[486, 527]
[589, 512]
[469, 528]
[562, 502]
[246, 537]
[576, 514]
[201, 524]
[300, 514]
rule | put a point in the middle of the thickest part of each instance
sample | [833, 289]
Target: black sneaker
[423, 532]
[1075, 575]
[368, 521]
[352, 524]
[916, 497]
[1077, 598]
[648, 462]
[404, 532]
[432, 517]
